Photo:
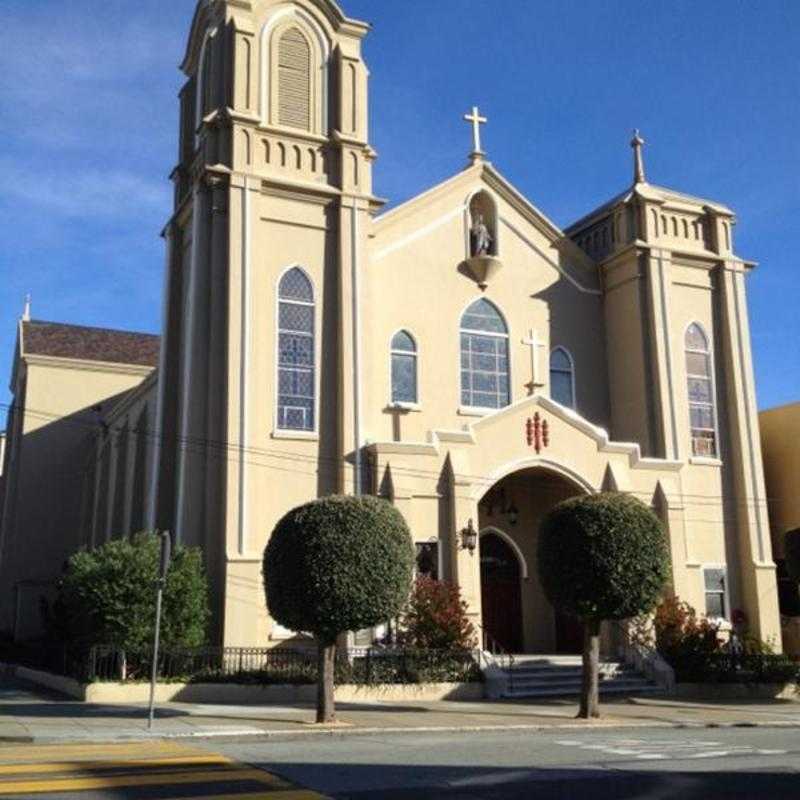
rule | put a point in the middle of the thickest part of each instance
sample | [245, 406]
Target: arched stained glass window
[404, 368]
[296, 352]
[562, 377]
[484, 357]
[702, 403]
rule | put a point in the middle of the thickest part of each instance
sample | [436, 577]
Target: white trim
[492, 529]
[244, 366]
[356, 313]
[301, 16]
[418, 234]
[404, 404]
[665, 318]
[200, 87]
[745, 373]
[713, 380]
[188, 357]
[554, 264]
[702, 461]
[707, 566]
[510, 467]
[550, 370]
[152, 512]
[307, 436]
[277, 431]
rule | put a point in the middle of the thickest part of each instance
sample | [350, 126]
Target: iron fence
[365, 666]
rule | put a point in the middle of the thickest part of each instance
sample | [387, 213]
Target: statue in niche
[481, 238]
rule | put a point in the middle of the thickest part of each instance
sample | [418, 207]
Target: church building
[459, 354]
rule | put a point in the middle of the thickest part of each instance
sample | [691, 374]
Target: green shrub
[107, 596]
[687, 642]
[436, 618]
[334, 565]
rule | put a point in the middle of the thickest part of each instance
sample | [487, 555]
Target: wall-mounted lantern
[469, 538]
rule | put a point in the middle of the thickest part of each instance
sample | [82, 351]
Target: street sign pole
[166, 544]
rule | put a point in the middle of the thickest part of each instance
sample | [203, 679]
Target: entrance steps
[560, 676]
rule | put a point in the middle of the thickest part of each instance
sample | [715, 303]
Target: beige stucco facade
[271, 180]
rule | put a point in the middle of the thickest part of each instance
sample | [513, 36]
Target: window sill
[469, 411]
[705, 461]
[406, 407]
[304, 436]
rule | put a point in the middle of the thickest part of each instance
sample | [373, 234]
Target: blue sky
[88, 120]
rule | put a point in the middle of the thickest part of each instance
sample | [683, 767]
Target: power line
[217, 448]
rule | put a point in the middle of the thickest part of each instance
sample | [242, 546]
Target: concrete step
[609, 669]
[575, 679]
[572, 691]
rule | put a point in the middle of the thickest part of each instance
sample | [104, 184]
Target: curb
[368, 731]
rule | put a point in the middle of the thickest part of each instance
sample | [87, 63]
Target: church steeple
[638, 160]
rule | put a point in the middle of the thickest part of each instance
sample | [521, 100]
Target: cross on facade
[477, 120]
[536, 344]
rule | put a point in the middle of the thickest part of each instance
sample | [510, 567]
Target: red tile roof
[90, 344]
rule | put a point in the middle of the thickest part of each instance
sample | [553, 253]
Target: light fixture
[469, 538]
[513, 514]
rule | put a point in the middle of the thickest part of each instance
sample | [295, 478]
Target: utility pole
[166, 547]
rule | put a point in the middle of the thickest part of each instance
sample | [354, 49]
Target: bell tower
[258, 397]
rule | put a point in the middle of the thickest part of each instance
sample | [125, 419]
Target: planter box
[246, 694]
[738, 691]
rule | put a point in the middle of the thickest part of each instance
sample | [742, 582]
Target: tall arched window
[295, 352]
[562, 377]
[404, 368]
[484, 357]
[294, 80]
[699, 374]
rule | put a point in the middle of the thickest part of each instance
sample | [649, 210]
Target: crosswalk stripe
[85, 784]
[84, 766]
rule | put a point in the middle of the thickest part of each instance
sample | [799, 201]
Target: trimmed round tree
[334, 565]
[601, 557]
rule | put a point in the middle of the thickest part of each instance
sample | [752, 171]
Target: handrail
[491, 645]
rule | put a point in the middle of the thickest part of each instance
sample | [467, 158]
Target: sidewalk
[28, 714]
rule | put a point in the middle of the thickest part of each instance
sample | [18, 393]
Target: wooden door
[501, 598]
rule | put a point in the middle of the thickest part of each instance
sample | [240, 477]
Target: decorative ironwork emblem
[537, 432]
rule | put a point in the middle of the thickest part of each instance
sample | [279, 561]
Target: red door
[500, 593]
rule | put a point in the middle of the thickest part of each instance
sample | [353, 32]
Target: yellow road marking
[172, 779]
[84, 766]
[32, 753]
[286, 794]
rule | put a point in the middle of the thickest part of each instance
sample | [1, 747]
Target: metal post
[160, 581]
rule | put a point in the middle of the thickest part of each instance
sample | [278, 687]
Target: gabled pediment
[419, 217]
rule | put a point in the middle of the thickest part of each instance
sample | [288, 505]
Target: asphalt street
[691, 764]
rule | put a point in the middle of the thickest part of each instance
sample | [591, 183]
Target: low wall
[738, 691]
[246, 694]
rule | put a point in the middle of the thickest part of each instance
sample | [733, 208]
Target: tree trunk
[325, 665]
[590, 690]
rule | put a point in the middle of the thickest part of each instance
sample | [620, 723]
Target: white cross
[536, 344]
[477, 120]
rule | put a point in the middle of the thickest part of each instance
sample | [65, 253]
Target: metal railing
[493, 654]
[358, 665]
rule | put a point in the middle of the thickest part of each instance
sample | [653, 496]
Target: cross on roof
[477, 120]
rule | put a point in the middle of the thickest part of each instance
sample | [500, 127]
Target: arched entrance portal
[516, 613]
[501, 597]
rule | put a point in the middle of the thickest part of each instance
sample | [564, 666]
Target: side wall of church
[56, 408]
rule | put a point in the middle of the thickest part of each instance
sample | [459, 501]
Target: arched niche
[483, 228]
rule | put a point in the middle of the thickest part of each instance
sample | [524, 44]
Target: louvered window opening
[294, 80]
